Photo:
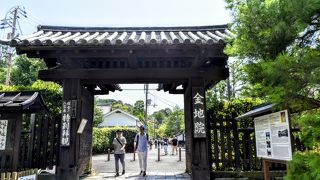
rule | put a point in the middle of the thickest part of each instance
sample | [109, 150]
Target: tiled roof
[81, 36]
[23, 100]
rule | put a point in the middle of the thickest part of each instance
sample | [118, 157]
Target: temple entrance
[123, 110]
[82, 59]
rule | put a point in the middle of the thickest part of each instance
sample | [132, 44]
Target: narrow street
[169, 166]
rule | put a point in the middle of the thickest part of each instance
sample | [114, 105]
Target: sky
[121, 13]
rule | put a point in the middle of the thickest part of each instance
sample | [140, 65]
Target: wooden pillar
[198, 154]
[16, 143]
[85, 146]
[188, 128]
[68, 160]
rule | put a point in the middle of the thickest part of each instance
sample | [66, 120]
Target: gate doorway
[81, 59]
[122, 110]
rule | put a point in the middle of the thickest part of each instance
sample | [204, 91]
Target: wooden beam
[134, 75]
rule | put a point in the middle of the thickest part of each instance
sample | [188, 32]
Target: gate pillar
[69, 140]
[198, 148]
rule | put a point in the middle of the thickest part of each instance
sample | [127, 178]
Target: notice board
[273, 138]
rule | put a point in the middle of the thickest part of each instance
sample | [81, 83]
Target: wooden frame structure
[14, 151]
[82, 59]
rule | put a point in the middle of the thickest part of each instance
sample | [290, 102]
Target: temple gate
[83, 58]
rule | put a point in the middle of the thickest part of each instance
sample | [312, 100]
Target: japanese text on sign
[3, 134]
[272, 132]
[65, 126]
[198, 112]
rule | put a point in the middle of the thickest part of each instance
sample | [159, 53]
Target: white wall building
[118, 117]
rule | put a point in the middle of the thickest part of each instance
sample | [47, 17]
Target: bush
[304, 166]
[103, 138]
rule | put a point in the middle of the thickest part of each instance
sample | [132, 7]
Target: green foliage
[98, 115]
[169, 122]
[304, 166]
[276, 39]
[290, 80]
[217, 109]
[138, 110]
[25, 70]
[277, 43]
[116, 104]
[309, 122]
[2, 71]
[103, 138]
[266, 28]
[175, 122]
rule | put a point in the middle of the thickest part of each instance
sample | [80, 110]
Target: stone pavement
[167, 168]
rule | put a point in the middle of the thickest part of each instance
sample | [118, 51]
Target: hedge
[103, 138]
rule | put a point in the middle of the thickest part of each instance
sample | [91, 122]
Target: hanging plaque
[198, 109]
[65, 125]
[3, 134]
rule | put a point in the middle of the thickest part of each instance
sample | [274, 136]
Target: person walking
[119, 143]
[165, 145]
[174, 145]
[141, 145]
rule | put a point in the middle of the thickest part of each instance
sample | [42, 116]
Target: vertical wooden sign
[3, 134]
[65, 126]
[198, 109]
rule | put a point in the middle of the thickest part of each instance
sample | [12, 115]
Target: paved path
[167, 168]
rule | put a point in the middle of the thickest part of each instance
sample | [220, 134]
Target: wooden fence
[16, 175]
[233, 148]
[39, 146]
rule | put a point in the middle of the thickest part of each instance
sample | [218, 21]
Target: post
[158, 153]
[134, 155]
[9, 63]
[179, 153]
[266, 173]
[108, 154]
[198, 147]
[70, 142]
[146, 108]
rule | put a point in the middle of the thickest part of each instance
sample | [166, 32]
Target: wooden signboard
[3, 134]
[65, 125]
[198, 109]
[273, 139]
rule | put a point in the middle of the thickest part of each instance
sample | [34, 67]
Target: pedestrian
[174, 145]
[165, 145]
[119, 143]
[141, 145]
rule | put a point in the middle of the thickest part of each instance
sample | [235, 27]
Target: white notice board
[272, 134]
[30, 177]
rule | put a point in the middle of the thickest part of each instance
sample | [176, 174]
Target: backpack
[137, 143]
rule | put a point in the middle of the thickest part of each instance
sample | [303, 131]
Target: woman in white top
[119, 144]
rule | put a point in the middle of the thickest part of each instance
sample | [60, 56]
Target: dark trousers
[121, 158]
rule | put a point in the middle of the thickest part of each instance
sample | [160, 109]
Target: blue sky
[122, 13]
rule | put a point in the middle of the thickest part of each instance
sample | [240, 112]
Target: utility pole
[146, 86]
[11, 36]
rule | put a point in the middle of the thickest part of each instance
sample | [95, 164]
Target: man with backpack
[119, 144]
[141, 145]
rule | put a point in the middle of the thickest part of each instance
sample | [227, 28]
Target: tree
[98, 115]
[276, 41]
[138, 110]
[25, 70]
[2, 71]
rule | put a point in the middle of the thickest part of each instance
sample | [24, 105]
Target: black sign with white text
[198, 109]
